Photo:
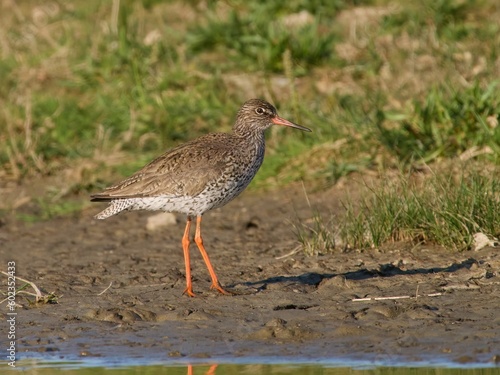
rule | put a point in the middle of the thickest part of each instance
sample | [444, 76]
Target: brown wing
[184, 170]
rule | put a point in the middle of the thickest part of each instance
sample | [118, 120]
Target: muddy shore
[119, 288]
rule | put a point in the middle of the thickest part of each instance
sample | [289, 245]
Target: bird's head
[256, 115]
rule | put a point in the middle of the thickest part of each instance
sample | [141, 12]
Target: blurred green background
[90, 91]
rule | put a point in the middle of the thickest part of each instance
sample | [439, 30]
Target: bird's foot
[220, 289]
[189, 291]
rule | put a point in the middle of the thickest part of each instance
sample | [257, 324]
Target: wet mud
[119, 287]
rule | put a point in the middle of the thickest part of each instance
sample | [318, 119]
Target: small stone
[161, 220]
[481, 241]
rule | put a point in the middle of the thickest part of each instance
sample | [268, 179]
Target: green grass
[446, 210]
[260, 34]
[151, 80]
[450, 18]
[101, 90]
[445, 124]
[49, 209]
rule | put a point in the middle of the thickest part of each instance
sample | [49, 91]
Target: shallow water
[355, 368]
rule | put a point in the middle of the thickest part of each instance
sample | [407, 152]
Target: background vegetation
[90, 91]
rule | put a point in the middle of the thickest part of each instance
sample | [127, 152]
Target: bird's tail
[115, 207]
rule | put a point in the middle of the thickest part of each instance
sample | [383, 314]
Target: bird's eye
[260, 111]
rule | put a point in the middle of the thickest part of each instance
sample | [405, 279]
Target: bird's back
[192, 178]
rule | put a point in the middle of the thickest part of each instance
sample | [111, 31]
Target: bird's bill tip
[281, 121]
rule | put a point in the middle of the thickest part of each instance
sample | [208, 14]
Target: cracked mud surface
[287, 305]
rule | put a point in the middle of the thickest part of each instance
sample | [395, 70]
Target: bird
[198, 176]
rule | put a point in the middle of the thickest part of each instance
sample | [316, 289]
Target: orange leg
[185, 247]
[199, 243]
[211, 370]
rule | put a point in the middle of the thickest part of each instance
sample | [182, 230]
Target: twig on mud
[394, 297]
[294, 251]
[104, 291]
[38, 295]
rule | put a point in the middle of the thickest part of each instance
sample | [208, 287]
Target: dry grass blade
[395, 297]
[104, 291]
[39, 296]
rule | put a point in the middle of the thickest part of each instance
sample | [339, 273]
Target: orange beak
[281, 121]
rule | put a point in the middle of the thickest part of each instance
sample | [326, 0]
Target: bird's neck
[251, 135]
[252, 142]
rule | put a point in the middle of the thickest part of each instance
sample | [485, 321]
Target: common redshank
[198, 176]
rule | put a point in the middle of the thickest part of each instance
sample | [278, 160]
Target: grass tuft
[444, 209]
[261, 32]
[316, 236]
[446, 124]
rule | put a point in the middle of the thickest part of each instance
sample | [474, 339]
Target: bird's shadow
[384, 270]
